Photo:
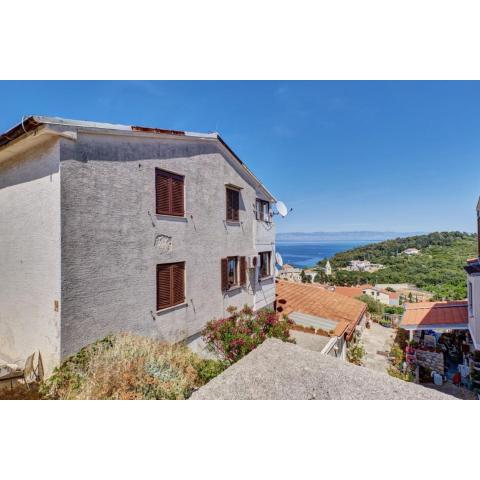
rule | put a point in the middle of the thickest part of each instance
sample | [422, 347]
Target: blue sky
[401, 156]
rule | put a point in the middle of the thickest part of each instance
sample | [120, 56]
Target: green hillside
[438, 268]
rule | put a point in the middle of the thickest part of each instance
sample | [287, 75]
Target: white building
[411, 251]
[108, 228]
[290, 273]
[328, 268]
[363, 266]
[473, 290]
[383, 296]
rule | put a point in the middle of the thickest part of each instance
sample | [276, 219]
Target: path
[377, 339]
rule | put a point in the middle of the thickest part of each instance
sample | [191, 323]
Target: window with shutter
[234, 272]
[233, 205]
[170, 284]
[263, 210]
[224, 273]
[243, 271]
[170, 193]
[265, 264]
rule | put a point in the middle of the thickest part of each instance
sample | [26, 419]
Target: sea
[304, 255]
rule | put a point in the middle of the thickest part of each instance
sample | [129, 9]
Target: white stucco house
[411, 251]
[383, 296]
[107, 228]
[288, 272]
[473, 290]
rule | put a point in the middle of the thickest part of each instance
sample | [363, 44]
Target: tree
[305, 278]
[374, 308]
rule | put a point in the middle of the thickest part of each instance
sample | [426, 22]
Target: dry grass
[19, 392]
[127, 366]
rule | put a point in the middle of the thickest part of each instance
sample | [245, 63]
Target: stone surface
[377, 339]
[281, 371]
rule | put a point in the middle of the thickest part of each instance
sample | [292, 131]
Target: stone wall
[431, 360]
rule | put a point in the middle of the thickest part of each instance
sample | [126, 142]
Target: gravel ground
[282, 371]
[377, 339]
[309, 341]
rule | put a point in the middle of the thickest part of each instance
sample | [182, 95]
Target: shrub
[127, 366]
[233, 337]
[397, 355]
[395, 372]
[355, 353]
[208, 369]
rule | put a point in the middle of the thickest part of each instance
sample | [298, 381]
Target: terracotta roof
[386, 292]
[309, 299]
[426, 314]
[351, 292]
[287, 266]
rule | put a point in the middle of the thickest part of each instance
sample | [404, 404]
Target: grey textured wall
[112, 239]
[30, 254]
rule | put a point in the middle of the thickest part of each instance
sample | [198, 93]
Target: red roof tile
[424, 314]
[309, 299]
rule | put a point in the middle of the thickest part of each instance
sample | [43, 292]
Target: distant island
[340, 236]
[433, 262]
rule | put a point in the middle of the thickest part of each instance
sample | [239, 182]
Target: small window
[234, 272]
[170, 284]
[233, 205]
[265, 269]
[263, 210]
[169, 191]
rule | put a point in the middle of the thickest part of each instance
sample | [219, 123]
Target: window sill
[177, 218]
[173, 307]
[233, 222]
[268, 277]
[234, 288]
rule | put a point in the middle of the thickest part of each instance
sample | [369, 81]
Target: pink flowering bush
[233, 337]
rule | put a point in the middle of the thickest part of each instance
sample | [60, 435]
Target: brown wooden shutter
[162, 188]
[243, 271]
[229, 204]
[224, 273]
[177, 196]
[164, 286]
[235, 205]
[178, 283]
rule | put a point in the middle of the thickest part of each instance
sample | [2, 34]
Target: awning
[435, 316]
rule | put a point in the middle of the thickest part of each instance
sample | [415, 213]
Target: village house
[310, 274]
[473, 289]
[383, 296]
[336, 318]
[290, 273]
[108, 228]
[411, 251]
[363, 266]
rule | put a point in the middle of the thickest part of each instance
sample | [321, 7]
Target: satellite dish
[279, 259]
[281, 209]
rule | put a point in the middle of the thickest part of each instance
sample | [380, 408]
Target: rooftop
[351, 292]
[299, 298]
[424, 315]
[282, 371]
[386, 292]
[31, 125]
